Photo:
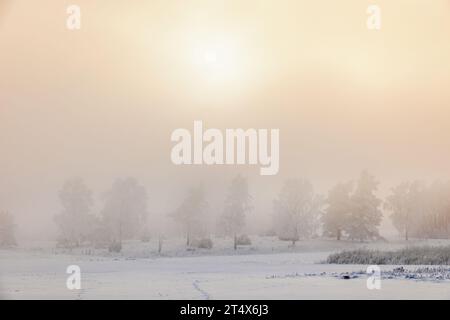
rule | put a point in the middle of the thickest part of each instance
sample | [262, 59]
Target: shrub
[412, 256]
[243, 240]
[115, 246]
[205, 243]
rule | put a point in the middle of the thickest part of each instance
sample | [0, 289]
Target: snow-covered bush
[115, 246]
[243, 240]
[205, 243]
[408, 256]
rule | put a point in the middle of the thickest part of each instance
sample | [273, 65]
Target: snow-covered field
[268, 269]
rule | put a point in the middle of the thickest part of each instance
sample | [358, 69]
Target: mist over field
[87, 115]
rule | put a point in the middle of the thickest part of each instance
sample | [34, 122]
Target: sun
[217, 61]
[210, 57]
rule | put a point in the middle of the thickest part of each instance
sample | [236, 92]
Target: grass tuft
[412, 255]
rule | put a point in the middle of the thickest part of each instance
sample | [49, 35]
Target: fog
[101, 103]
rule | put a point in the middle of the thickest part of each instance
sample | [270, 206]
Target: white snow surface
[269, 269]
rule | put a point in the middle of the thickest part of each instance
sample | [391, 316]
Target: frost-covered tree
[435, 222]
[125, 210]
[443, 214]
[419, 210]
[7, 230]
[406, 204]
[237, 204]
[190, 215]
[338, 210]
[75, 221]
[365, 216]
[297, 211]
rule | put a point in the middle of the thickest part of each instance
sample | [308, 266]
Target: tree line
[351, 210]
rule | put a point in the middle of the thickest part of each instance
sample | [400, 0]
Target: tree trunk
[159, 245]
[120, 233]
[235, 242]
[406, 227]
[339, 234]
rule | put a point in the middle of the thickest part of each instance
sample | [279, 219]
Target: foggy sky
[100, 103]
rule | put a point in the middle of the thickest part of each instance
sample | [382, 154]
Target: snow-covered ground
[268, 269]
